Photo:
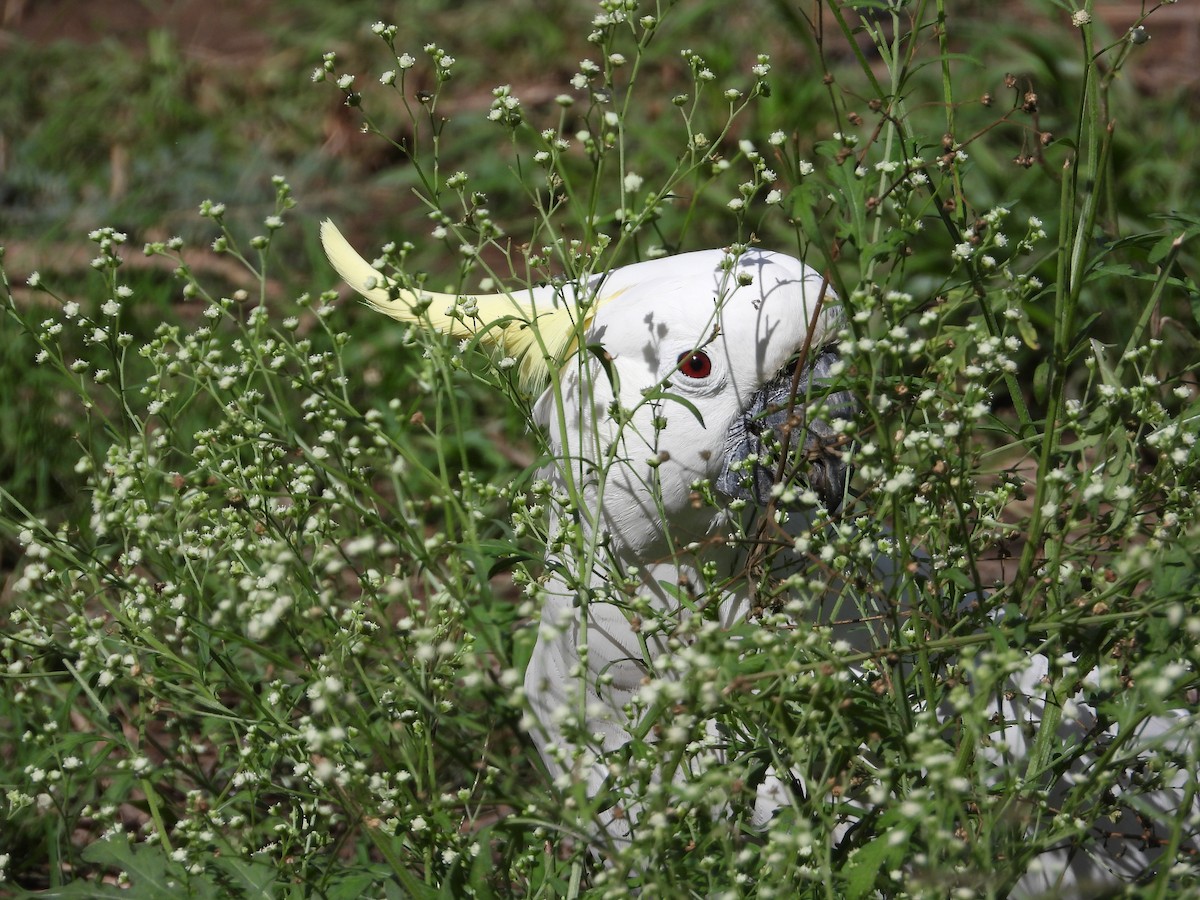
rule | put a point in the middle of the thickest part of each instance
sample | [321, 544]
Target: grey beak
[752, 446]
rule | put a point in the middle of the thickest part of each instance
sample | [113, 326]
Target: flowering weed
[281, 647]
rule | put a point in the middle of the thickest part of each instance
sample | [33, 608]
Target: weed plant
[279, 650]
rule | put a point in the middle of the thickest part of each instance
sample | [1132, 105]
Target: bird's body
[668, 381]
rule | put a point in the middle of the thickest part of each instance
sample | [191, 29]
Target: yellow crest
[538, 326]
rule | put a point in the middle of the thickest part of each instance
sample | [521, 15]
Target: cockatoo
[667, 377]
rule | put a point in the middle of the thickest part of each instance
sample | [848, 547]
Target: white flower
[774, 197]
[1080, 17]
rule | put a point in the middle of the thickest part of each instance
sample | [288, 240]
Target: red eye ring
[695, 364]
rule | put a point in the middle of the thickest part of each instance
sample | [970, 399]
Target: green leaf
[1028, 333]
[1174, 574]
[1169, 242]
[1107, 374]
[351, 887]
[494, 557]
[145, 865]
[1041, 381]
[682, 401]
[249, 879]
[865, 864]
[606, 362]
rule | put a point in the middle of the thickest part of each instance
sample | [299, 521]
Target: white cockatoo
[668, 377]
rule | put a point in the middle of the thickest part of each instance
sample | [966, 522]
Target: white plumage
[698, 350]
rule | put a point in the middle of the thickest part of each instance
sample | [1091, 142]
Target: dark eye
[695, 364]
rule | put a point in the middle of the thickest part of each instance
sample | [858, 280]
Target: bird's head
[658, 376]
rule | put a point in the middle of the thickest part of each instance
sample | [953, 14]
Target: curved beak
[774, 423]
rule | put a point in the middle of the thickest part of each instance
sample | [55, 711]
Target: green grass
[271, 563]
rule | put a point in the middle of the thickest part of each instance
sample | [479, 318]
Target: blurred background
[130, 112]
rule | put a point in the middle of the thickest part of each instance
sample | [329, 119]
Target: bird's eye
[695, 364]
